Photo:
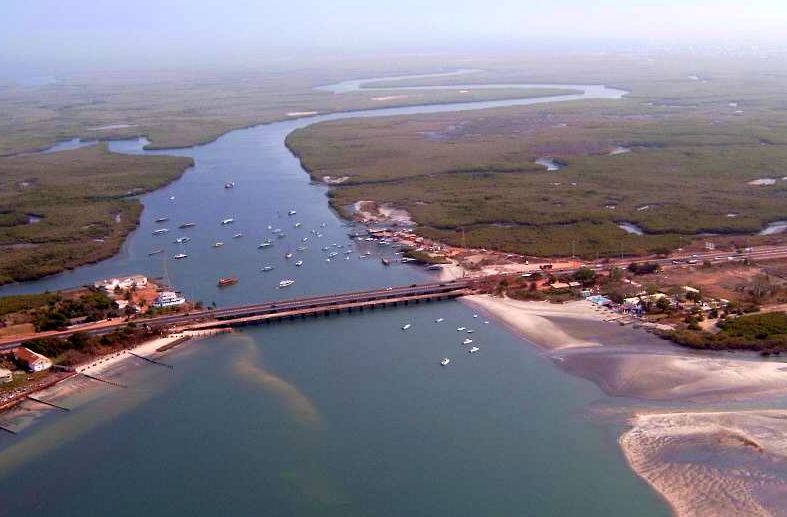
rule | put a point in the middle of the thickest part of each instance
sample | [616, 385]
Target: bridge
[282, 309]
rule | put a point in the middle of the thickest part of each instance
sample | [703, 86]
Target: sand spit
[719, 463]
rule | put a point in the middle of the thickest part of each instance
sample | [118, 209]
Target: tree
[663, 304]
[585, 276]
[615, 274]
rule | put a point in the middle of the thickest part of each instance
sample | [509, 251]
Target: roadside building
[6, 376]
[123, 283]
[33, 361]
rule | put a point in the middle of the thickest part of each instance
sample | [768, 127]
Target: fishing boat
[237, 236]
[467, 341]
[229, 184]
[286, 283]
[445, 361]
[229, 220]
[181, 240]
[160, 231]
[385, 261]
[406, 327]
[180, 256]
[162, 219]
[291, 212]
[265, 244]
[230, 280]
[156, 252]
[218, 244]
[267, 268]
[187, 225]
[299, 263]
[473, 350]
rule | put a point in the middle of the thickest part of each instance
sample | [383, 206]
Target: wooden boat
[230, 280]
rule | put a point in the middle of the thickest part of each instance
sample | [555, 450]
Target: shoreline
[738, 455]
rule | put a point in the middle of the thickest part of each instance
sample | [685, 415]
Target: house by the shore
[122, 283]
[33, 361]
[6, 376]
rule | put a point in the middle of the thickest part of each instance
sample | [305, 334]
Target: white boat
[168, 299]
[181, 240]
[270, 227]
[266, 244]
[301, 248]
[229, 220]
[288, 256]
[180, 256]
[475, 315]
[291, 212]
[406, 327]
[237, 236]
[467, 341]
[473, 350]
[218, 244]
[286, 283]
[486, 323]
[439, 320]
[229, 184]
[445, 361]
[460, 329]
[298, 225]
[470, 331]
[299, 263]
[332, 254]
[304, 239]
[267, 268]
[160, 231]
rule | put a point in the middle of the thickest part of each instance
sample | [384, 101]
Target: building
[6, 376]
[168, 299]
[33, 361]
[127, 282]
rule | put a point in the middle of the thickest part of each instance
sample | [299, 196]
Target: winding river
[345, 417]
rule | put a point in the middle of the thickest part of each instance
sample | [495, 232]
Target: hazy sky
[96, 32]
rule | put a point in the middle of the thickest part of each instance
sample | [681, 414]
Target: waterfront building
[33, 361]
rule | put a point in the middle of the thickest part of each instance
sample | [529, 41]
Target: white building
[35, 362]
[6, 376]
[127, 282]
[168, 299]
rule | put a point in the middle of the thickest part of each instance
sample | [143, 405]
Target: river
[342, 416]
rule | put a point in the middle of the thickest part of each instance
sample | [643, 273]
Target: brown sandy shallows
[719, 463]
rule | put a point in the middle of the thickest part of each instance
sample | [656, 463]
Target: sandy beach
[704, 463]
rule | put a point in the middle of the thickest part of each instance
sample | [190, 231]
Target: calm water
[341, 416]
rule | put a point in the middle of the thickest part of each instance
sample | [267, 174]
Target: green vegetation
[81, 347]
[765, 332]
[422, 257]
[25, 302]
[84, 199]
[94, 305]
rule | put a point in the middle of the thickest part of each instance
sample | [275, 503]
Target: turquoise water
[341, 416]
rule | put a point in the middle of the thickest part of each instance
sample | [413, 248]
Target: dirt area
[715, 282]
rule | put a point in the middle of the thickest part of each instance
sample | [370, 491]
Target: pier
[50, 404]
[105, 381]
[148, 359]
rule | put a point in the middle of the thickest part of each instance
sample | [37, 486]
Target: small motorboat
[227, 221]
[218, 244]
[226, 281]
[467, 341]
[470, 331]
[445, 361]
[172, 198]
[332, 254]
[475, 315]
[301, 248]
[486, 323]
[286, 283]
[385, 261]
[291, 212]
[162, 219]
[237, 236]
[473, 350]
[267, 268]
[288, 256]
[187, 225]
[156, 252]
[460, 329]
[265, 244]
[439, 320]
[299, 263]
[298, 225]
[181, 240]
[161, 231]
[406, 327]
[180, 256]
[229, 184]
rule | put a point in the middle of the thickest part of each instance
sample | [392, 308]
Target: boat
[299, 263]
[281, 235]
[406, 327]
[187, 225]
[286, 283]
[467, 341]
[229, 220]
[291, 212]
[180, 256]
[237, 236]
[298, 225]
[168, 299]
[301, 248]
[229, 184]
[267, 268]
[475, 315]
[385, 261]
[181, 240]
[445, 361]
[434, 267]
[304, 239]
[470, 331]
[162, 219]
[473, 350]
[332, 254]
[460, 329]
[160, 231]
[218, 244]
[172, 198]
[155, 252]
[265, 244]
[288, 256]
[230, 280]
[439, 320]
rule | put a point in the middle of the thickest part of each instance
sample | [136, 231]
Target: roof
[28, 356]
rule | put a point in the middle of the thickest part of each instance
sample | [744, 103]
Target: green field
[84, 203]
[695, 146]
